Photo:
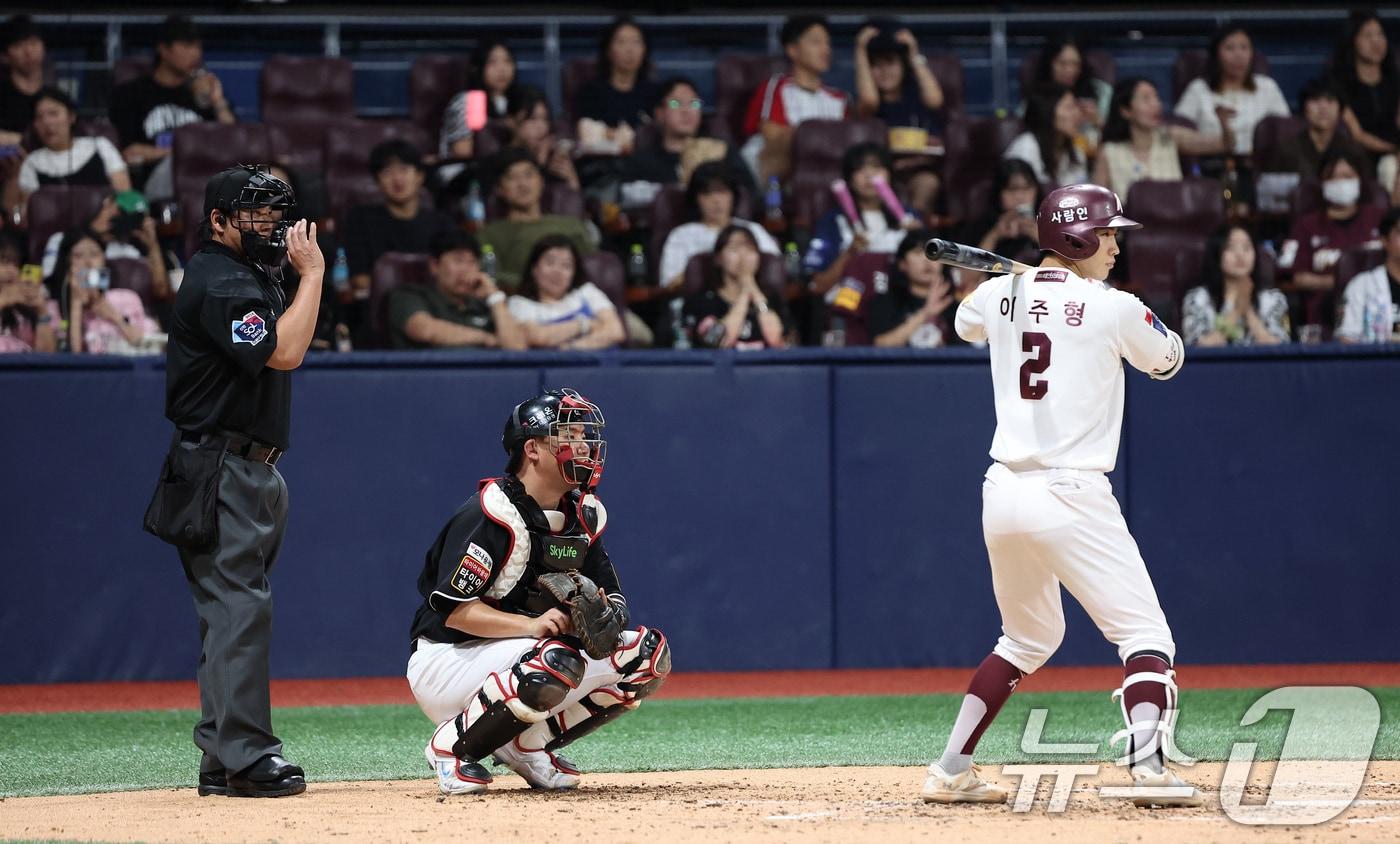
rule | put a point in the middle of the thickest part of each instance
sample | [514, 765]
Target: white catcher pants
[444, 677]
[1063, 526]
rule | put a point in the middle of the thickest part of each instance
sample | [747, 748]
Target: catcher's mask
[573, 428]
[260, 206]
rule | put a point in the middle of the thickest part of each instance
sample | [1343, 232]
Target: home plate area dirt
[810, 804]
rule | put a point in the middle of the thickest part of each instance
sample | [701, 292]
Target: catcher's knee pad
[512, 700]
[644, 664]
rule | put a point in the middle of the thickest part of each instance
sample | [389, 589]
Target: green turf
[72, 753]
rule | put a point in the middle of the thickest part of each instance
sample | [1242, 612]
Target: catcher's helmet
[238, 192]
[577, 426]
[1069, 216]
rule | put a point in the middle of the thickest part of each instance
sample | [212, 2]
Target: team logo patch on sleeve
[1151, 319]
[473, 571]
[251, 329]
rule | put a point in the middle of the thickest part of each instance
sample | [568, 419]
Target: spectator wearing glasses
[681, 148]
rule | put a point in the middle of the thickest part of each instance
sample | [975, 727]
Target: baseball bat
[970, 257]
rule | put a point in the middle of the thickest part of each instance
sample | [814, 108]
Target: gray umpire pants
[234, 601]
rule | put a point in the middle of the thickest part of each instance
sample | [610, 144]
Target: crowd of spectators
[637, 216]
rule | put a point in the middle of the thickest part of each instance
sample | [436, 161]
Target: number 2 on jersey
[1038, 344]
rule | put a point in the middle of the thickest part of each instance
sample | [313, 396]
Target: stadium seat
[300, 144]
[128, 68]
[577, 73]
[1192, 205]
[947, 68]
[1270, 133]
[817, 148]
[1100, 61]
[202, 149]
[973, 148]
[667, 212]
[1356, 260]
[1162, 266]
[132, 274]
[772, 276]
[491, 140]
[56, 208]
[100, 127]
[432, 81]
[392, 270]
[306, 87]
[736, 79]
[347, 153]
[605, 270]
[1191, 63]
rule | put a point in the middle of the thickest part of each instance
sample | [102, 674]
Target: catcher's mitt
[597, 621]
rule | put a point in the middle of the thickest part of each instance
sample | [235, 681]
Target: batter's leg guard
[510, 701]
[644, 665]
[1145, 740]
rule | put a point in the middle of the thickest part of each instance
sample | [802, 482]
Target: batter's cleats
[542, 769]
[454, 776]
[1162, 789]
[967, 787]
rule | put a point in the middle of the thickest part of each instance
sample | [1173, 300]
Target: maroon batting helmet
[1069, 216]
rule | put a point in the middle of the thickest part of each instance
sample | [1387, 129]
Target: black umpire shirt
[467, 557]
[223, 331]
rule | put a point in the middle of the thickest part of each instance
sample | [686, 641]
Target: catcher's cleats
[967, 787]
[542, 769]
[454, 776]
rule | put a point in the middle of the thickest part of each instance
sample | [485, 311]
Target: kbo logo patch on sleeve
[251, 329]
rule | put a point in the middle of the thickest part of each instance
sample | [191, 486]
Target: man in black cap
[21, 79]
[146, 111]
[233, 341]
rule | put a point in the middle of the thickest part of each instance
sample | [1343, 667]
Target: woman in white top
[1137, 146]
[710, 198]
[1052, 121]
[63, 159]
[1230, 308]
[557, 307]
[1230, 93]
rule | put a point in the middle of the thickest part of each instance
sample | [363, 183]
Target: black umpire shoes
[270, 776]
[213, 783]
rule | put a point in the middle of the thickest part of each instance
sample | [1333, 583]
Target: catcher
[521, 643]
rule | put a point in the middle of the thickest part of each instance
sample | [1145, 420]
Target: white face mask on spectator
[1341, 191]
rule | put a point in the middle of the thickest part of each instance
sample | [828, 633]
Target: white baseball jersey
[1058, 343]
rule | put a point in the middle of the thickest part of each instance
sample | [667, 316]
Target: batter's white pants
[444, 677]
[1063, 526]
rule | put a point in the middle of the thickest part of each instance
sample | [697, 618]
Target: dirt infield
[93, 697]
[850, 805]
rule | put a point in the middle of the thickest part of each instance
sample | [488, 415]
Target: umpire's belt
[237, 445]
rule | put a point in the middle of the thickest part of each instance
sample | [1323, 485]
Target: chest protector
[540, 540]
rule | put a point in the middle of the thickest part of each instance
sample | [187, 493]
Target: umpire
[233, 341]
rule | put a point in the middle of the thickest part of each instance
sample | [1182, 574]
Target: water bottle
[488, 260]
[1382, 324]
[340, 272]
[773, 219]
[835, 337]
[792, 261]
[679, 339]
[637, 266]
[342, 338]
[1368, 324]
[476, 209]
